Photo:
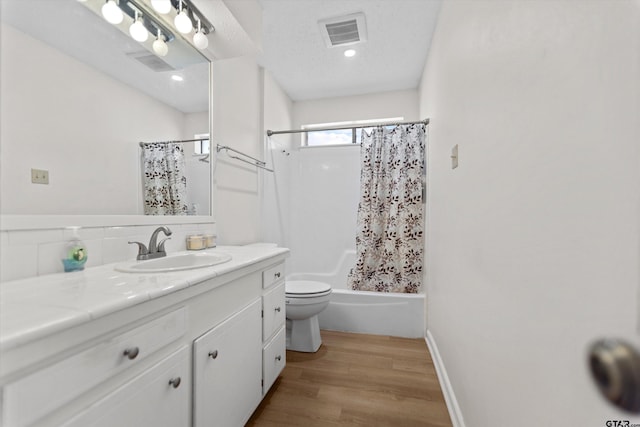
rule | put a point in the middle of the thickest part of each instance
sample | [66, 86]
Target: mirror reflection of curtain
[164, 181]
[390, 234]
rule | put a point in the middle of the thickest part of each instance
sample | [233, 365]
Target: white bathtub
[399, 315]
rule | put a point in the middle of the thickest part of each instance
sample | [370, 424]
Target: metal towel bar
[255, 162]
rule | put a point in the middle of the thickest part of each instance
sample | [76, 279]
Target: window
[202, 146]
[319, 138]
[329, 137]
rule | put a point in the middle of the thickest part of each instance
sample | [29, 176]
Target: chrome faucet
[155, 250]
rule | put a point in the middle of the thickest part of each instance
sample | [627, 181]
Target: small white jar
[195, 242]
[210, 240]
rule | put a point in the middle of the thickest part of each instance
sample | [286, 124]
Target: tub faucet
[155, 250]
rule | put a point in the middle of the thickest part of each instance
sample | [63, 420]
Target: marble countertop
[35, 307]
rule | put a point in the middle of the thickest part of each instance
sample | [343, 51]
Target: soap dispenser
[74, 255]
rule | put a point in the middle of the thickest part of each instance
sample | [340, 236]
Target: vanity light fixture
[144, 21]
[182, 21]
[161, 6]
[112, 13]
[137, 29]
[349, 53]
[200, 40]
[159, 45]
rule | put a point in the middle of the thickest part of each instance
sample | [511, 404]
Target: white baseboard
[449, 396]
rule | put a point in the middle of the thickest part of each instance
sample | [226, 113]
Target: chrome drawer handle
[174, 382]
[213, 354]
[278, 358]
[277, 275]
[131, 353]
[277, 309]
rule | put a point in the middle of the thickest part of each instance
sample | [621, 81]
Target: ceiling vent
[151, 61]
[344, 30]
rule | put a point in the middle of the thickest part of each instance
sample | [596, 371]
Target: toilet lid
[305, 287]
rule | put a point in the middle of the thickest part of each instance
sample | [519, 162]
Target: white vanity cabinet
[227, 368]
[273, 325]
[202, 355]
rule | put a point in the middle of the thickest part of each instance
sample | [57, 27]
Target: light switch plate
[454, 157]
[39, 176]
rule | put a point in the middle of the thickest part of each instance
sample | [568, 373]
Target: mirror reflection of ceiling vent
[344, 30]
[150, 60]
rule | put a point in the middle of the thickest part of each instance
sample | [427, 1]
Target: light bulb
[183, 23]
[138, 31]
[159, 45]
[112, 12]
[161, 6]
[200, 40]
[349, 53]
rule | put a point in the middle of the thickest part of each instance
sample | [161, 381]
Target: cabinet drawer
[37, 394]
[158, 397]
[274, 357]
[272, 274]
[273, 310]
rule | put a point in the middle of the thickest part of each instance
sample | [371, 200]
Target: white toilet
[305, 299]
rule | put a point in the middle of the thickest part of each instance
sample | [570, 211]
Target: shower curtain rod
[368, 125]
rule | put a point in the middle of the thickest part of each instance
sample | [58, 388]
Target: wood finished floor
[356, 380]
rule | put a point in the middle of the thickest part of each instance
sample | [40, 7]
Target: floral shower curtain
[165, 184]
[390, 234]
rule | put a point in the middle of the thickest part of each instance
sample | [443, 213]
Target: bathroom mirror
[78, 96]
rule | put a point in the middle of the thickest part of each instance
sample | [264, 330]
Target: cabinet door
[273, 306]
[158, 397]
[274, 359]
[228, 370]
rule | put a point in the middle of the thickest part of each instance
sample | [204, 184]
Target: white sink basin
[179, 262]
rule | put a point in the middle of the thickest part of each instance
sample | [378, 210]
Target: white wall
[82, 126]
[195, 124]
[237, 123]
[325, 193]
[276, 215]
[533, 239]
[198, 173]
[402, 103]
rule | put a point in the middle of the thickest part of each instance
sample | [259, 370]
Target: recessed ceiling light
[349, 53]
[177, 78]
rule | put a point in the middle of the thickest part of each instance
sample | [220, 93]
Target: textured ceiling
[393, 57]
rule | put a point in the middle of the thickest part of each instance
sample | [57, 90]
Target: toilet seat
[306, 289]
